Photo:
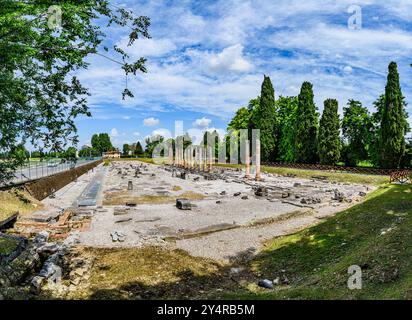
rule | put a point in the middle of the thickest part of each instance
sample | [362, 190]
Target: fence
[360, 170]
[36, 170]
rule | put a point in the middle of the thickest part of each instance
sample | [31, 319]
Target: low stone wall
[42, 188]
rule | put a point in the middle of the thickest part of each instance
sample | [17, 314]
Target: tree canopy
[306, 126]
[392, 134]
[356, 131]
[264, 119]
[101, 142]
[329, 140]
[286, 107]
[40, 97]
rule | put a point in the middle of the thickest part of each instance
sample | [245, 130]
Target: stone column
[204, 158]
[209, 159]
[170, 155]
[200, 158]
[258, 177]
[247, 159]
[177, 157]
[185, 161]
[180, 152]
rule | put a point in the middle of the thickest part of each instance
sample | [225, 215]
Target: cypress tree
[392, 139]
[286, 113]
[356, 130]
[265, 120]
[139, 149]
[329, 141]
[306, 126]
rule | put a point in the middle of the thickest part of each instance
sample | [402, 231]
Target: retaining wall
[42, 188]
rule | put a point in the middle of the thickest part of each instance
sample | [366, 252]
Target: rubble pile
[59, 223]
[41, 266]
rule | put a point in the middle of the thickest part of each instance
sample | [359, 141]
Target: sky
[206, 59]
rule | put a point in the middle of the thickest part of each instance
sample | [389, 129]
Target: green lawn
[376, 235]
[332, 176]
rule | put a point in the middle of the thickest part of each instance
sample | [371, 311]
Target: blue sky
[207, 58]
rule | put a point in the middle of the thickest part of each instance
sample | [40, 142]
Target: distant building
[111, 154]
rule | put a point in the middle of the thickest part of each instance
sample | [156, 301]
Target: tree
[151, 143]
[356, 130]
[287, 107]
[105, 142]
[126, 149]
[375, 133]
[253, 108]
[37, 154]
[70, 154]
[240, 120]
[392, 133]
[306, 126]
[265, 118]
[101, 142]
[139, 149]
[95, 141]
[40, 98]
[329, 140]
[87, 152]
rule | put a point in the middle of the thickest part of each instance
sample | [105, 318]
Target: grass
[7, 245]
[332, 176]
[144, 273]
[375, 235]
[13, 201]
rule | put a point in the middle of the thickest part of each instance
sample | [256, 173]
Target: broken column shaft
[258, 176]
[247, 159]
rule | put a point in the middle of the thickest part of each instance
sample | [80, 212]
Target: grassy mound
[375, 235]
[331, 176]
[13, 201]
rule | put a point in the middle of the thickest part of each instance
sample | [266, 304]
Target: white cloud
[148, 47]
[136, 133]
[150, 122]
[202, 123]
[348, 69]
[229, 59]
[114, 133]
[223, 69]
[165, 133]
